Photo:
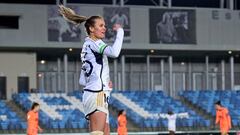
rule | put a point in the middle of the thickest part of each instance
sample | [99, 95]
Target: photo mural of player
[59, 29]
[120, 15]
[172, 26]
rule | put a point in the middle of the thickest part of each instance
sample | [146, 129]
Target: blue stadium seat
[205, 100]
[11, 121]
[154, 102]
[71, 118]
[4, 125]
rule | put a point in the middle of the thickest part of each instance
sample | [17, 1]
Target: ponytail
[71, 16]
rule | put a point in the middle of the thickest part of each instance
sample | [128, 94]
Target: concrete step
[14, 107]
[198, 110]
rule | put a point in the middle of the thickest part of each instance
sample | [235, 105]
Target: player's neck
[34, 111]
[94, 38]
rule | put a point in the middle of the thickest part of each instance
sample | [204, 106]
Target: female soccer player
[223, 118]
[122, 123]
[32, 120]
[172, 120]
[95, 70]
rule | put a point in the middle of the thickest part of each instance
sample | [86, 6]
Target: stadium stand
[58, 110]
[64, 110]
[9, 120]
[144, 106]
[205, 99]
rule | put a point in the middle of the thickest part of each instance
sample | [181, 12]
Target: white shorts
[95, 101]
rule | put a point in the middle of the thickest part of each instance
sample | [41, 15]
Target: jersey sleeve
[28, 116]
[113, 50]
[98, 46]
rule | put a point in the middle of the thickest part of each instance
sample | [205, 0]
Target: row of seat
[205, 100]
[9, 119]
[67, 105]
[141, 107]
[152, 103]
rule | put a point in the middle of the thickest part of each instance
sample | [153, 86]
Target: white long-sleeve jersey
[172, 119]
[94, 56]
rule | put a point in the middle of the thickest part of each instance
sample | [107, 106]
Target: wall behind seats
[13, 65]
[32, 25]
[215, 30]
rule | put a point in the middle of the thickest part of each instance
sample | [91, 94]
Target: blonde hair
[70, 15]
[76, 19]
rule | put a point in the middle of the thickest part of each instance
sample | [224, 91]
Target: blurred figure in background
[222, 118]
[166, 33]
[172, 120]
[64, 27]
[120, 18]
[32, 120]
[122, 123]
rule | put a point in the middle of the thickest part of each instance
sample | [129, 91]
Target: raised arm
[110, 50]
[114, 50]
[183, 115]
[163, 115]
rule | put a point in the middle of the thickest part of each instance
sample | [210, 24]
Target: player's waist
[96, 91]
[90, 90]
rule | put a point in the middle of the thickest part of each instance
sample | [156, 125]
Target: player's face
[99, 29]
[217, 107]
[37, 108]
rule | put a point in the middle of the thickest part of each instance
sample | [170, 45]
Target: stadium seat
[205, 99]
[9, 119]
[58, 110]
[142, 105]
